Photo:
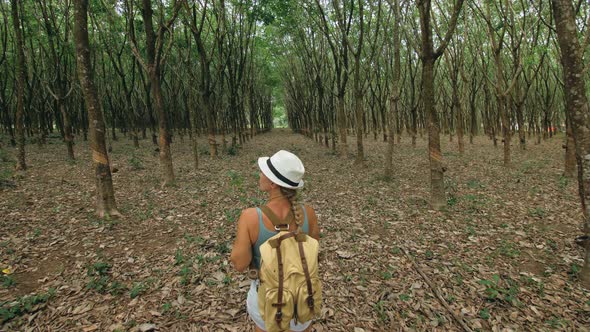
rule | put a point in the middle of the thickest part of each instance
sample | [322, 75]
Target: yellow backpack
[289, 280]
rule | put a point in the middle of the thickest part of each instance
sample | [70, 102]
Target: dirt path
[501, 254]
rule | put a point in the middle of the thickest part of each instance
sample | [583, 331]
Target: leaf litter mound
[500, 256]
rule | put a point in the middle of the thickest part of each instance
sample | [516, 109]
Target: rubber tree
[428, 56]
[152, 65]
[105, 194]
[395, 93]
[579, 114]
[337, 39]
[20, 86]
[58, 55]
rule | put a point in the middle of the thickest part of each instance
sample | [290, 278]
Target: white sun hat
[283, 168]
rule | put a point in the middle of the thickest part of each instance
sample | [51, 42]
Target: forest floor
[501, 254]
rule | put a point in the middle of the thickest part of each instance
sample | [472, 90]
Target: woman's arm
[312, 219]
[241, 253]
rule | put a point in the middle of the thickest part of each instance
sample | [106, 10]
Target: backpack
[289, 283]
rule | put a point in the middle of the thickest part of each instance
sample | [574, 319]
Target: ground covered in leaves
[501, 254]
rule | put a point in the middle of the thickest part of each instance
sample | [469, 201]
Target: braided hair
[291, 195]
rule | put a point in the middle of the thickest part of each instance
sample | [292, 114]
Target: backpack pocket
[309, 307]
[270, 312]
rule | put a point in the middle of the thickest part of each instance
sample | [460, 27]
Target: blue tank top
[264, 234]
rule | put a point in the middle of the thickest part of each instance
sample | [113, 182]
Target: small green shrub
[232, 215]
[537, 212]
[137, 289]
[379, 308]
[233, 150]
[236, 179]
[226, 280]
[23, 305]
[574, 271]
[178, 257]
[474, 184]
[508, 249]
[386, 275]
[7, 281]
[186, 274]
[222, 248]
[496, 292]
[484, 314]
[117, 288]
[135, 163]
[101, 281]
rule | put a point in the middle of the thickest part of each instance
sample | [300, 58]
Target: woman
[280, 177]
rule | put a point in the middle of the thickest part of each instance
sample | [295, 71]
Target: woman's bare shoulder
[249, 214]
[310, 211]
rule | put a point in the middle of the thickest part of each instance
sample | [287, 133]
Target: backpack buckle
[279, 316]
[279, 228]
[310, 301]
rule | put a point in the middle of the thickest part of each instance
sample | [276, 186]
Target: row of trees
[460, 67]
[185, 66]
[496, 70]
[210, 67]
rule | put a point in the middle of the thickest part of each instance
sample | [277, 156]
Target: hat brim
[269, 174]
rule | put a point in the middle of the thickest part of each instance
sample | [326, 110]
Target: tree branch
[451, 30]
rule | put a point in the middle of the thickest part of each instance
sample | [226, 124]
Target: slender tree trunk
[20, 86]
[358, 101]
[105, 194]
[194, 120]
[570, 149]
[435, 156]
[460, 140]
[68, 137]
[458, 104]
[428, 57]
[394, 99]
[579, 113]
[520, 122]
[501, 104]
[154, 77]
[341, 116]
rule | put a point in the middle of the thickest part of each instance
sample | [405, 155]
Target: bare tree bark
[105, 194]
[395, 93]
[20, 86]
[579, 114]
[59, 91]
[154, 49]
[570, 149]
[429, 56]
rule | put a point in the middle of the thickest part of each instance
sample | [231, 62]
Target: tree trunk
[570, 149]
[358, 106]
[501, 104]
[105, 195]
[428, 57]
[193, 118]
[435, 155]
[20, 86]
[67, 129]
[154, 76]
[393, 101]
[579, 113]
[341, 116]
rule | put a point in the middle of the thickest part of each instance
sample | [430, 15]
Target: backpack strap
[309, 299]
[279, 305]
[280, 225]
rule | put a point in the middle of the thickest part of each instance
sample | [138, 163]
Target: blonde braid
[291, 195]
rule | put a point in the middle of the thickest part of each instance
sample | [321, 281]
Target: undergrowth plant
[498, 290]
[23, 305]
[101, 281]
